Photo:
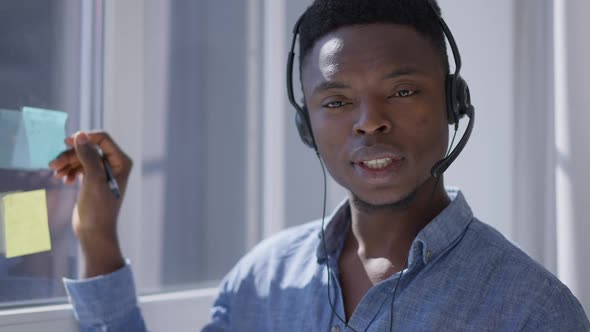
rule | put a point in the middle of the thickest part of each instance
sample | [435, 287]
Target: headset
[458, 100]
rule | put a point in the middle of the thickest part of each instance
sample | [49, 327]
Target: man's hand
[95, 216]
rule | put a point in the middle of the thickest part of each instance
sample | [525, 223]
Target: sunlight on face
[327, 58]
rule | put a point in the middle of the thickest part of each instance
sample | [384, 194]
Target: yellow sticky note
[26, 226]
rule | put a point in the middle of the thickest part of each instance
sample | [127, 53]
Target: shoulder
[486, 240]
[286, 243]
[248, 286]
[292, 248]
[560, 311]
[520, 279]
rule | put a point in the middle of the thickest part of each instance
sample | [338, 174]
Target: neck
[389, 232]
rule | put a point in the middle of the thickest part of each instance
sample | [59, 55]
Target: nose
[372, 119]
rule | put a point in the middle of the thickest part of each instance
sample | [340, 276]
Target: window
[46, 61]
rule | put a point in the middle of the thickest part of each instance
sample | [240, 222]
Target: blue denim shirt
[462, 275]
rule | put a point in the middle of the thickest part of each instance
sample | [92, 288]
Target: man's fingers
[111, 150]
[69, 173]
[88, 155]
[84, 157]
[65, 159]
[69, 141]
[99, 138]
[107, 145]
[72, 174]
[62, 172]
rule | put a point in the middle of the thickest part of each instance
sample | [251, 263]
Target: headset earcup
[458, 98]
[303, 128]
[451, 99]
[463, 97]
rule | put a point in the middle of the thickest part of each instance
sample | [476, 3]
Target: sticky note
[45, 132]
[26, 226]
[14, 149]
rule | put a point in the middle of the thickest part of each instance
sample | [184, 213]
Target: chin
[383, 202]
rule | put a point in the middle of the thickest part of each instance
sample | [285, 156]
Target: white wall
[484, 32]
[572, 138]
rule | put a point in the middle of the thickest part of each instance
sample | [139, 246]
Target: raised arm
[105, 297]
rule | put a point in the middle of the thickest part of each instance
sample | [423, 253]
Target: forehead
[366, 49]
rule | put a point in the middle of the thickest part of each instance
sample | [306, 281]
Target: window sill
[174, 311]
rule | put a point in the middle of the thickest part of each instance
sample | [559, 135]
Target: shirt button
[428, 256]
[335, 328]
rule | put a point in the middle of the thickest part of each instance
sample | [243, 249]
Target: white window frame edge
[274, 117]
[534, 228]
[253, 117]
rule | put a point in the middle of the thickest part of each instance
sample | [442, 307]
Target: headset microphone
[441, 166]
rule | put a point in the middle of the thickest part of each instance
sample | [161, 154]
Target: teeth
[378, 163]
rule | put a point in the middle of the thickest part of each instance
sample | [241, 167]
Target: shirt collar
[336, 229]
[443, 231]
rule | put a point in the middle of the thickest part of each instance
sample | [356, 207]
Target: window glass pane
[40, 61]
[194, 157]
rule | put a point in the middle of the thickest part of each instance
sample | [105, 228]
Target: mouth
[378, 163]
[379, 170]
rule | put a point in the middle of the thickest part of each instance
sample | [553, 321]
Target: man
[401, 253]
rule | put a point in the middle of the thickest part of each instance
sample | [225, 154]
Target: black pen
[113, 186]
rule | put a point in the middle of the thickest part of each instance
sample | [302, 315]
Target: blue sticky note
[14, 150]
[45, 132]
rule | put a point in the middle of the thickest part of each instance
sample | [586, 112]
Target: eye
[334, 104]
[404, 93]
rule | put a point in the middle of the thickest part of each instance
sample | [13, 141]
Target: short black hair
[325, 16]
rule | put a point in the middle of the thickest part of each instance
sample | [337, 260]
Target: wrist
[101, 256]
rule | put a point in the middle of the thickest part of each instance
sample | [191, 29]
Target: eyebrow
[329, 85]
[404, 71]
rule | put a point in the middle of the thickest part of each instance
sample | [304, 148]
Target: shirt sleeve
[107, 302]
[220, 311]
[560, 312]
